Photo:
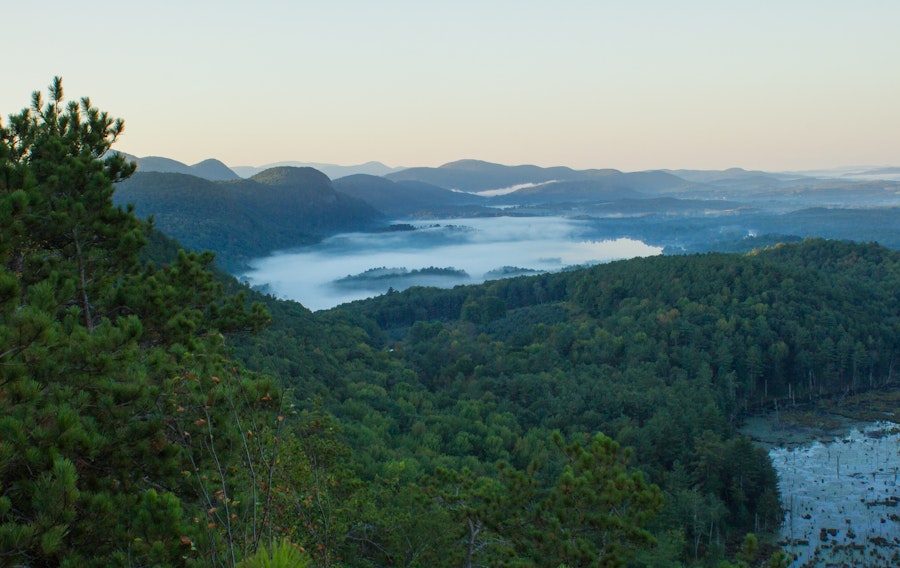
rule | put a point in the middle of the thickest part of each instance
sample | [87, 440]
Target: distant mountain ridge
[403, 198]
[475, 175]
[246, 218]
[215, 170]
[209, 169]
[285, 206]
[478, 176]
[333, 171]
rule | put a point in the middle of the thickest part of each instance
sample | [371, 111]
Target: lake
[477, 249]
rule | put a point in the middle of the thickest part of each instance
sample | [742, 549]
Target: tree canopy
[117, 400]
[148, 416]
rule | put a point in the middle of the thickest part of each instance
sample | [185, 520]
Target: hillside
[589, 417]
[409, 198]
[475, 175]
[679, 210]
[665, 355]
[773, 191]
[213, 170]
[240, 220]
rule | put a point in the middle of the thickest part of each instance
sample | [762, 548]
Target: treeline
[127, 434]
[664, 355]
[801, 320]
[241, 220]
[586, 418]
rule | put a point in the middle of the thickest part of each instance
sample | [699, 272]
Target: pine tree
[597, 512]
[109, 370]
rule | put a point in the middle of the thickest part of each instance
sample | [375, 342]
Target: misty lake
[443, 253]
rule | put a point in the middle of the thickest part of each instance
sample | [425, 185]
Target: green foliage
[663, 355]
[283, 554]
[109, 368]
[586, 418]
[244, 219]
[597, 512]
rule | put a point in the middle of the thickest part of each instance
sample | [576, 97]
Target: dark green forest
[154, 411]
[247, 218]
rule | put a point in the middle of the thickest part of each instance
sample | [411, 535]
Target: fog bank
[475, 246]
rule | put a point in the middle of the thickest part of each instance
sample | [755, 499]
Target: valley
[541, 235]
[450, 285]
[573, 390]
[469, 251]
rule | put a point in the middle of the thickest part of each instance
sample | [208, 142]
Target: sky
[644, 84]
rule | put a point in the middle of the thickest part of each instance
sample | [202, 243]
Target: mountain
[210, 169]
[475, 175]
[731, 175]
[239, 220]
[214, 170]
[855, 187]
[610, 187]
[556, 183]
[881, 171]
[405, 198]
[331, 170]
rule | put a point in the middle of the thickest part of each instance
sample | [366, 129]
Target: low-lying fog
[316, 276]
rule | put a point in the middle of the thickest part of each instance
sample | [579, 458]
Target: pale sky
[642, 84]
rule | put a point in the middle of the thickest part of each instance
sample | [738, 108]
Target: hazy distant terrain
[210, 169]
[208, 206]
[333, 171]
[409, 198]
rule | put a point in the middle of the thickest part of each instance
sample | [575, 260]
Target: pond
[841, 498]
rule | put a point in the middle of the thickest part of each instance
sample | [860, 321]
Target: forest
[155, 411]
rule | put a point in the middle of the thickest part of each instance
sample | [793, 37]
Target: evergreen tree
[597, 512]
[102, 360]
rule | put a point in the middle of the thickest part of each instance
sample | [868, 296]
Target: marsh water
[840, 493]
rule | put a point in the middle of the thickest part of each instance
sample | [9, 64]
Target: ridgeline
[585, 418]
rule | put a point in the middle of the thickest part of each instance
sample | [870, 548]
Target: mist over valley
[477, 249]
[451, 285]
[476, 217]
[432, 325]
[493, 284]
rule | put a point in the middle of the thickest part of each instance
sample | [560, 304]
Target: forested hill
[410, 198]
[476, 175]
[240, 220]
[586, 418]
[664, 354]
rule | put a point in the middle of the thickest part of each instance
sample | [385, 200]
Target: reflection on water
[841, 499]
[474, 246]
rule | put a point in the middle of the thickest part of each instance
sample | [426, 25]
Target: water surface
[841, 497]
